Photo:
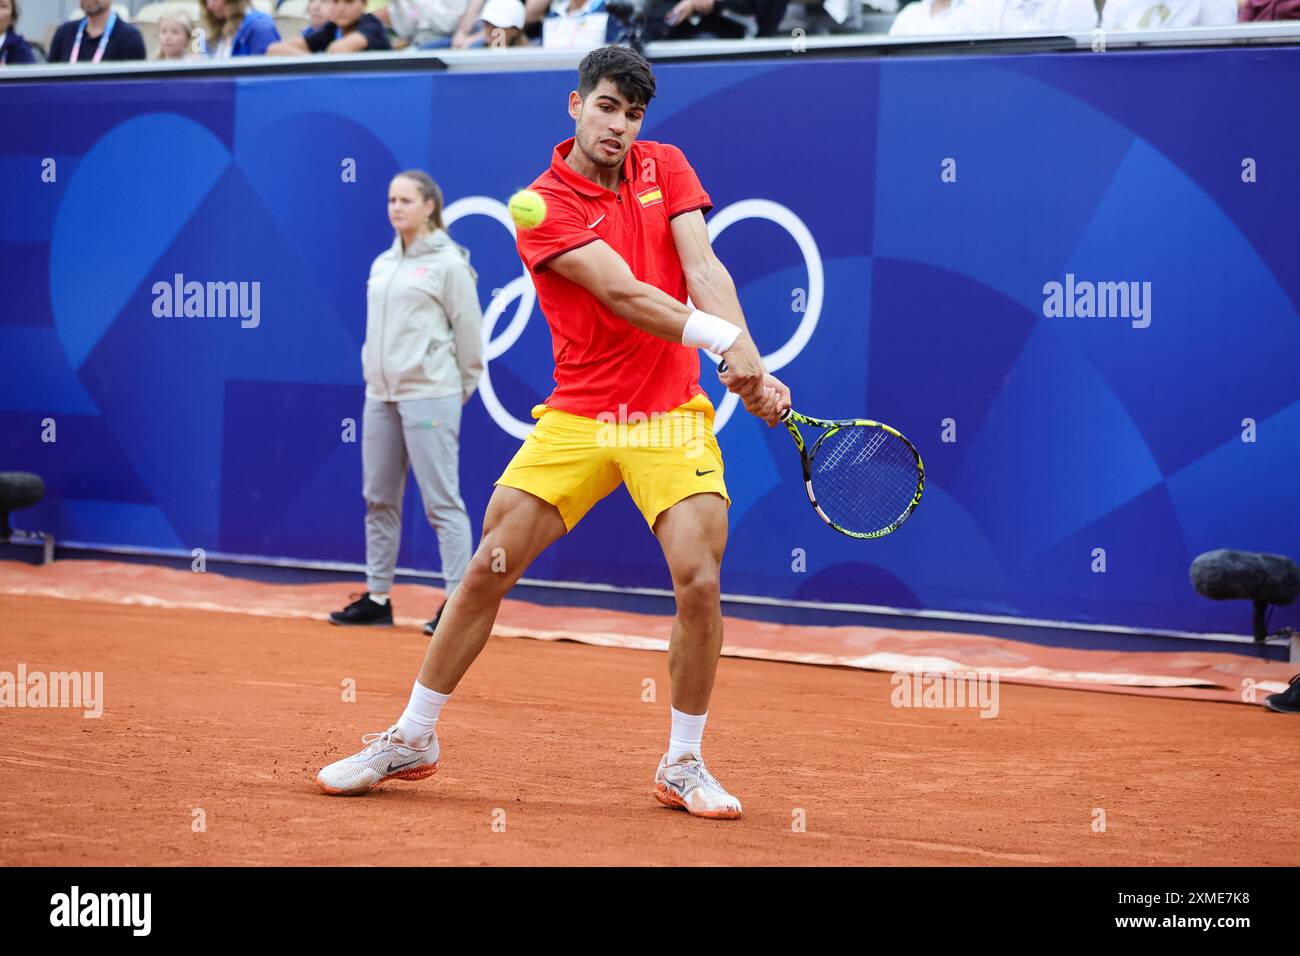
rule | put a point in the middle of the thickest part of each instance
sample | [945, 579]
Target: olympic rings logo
[520, 291]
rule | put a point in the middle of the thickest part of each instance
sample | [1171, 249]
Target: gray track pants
[424, 434]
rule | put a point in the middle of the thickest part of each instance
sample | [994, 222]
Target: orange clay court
[232, 713]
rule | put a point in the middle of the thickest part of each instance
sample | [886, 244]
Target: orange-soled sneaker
[686, 784]
[385, 757]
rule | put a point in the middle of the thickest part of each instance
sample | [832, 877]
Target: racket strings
[864, 478]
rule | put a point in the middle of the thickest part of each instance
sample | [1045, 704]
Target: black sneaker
[1287, 702]
[364, 611]
[433, 625]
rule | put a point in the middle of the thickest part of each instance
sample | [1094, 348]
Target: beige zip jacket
[423, 322]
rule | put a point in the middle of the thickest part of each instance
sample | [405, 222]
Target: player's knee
[698, 588]
[486, 577]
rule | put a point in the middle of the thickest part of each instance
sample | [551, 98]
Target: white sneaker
[687, 785]
[385, 757]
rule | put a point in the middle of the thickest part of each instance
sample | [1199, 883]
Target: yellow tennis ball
[527, 209]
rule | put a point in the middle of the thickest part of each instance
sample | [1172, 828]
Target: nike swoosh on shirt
[592, 225]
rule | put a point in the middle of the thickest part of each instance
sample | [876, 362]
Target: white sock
[379, 598]
[686, 735]
[421, 715]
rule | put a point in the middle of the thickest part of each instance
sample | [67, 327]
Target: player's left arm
[712, 289]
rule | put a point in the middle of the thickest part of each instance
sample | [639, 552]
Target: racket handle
[722, 367]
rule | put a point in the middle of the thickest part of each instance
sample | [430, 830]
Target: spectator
[1252, 10]
[486, 19]
[421, 22]
[174, 33]
[463, 36]
[503, 23]
[576, 24]
[13, 48]
[721, 19]
[929, 18]
[234, 28]
[1154, 14]
[470, 31]
[317, 15]
[422, 359]
[349, 30]
[1029, 16]
[100, 35]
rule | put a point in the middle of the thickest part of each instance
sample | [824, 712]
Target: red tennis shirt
[601, 360]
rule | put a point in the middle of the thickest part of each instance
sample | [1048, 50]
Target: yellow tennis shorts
[572, 461]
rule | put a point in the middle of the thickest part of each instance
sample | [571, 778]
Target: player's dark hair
[17, 13]
[428, 190]
[624, 67]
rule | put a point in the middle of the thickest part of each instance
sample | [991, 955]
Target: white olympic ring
[812, 259]
[522, 288]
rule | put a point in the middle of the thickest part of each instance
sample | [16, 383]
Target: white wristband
[704, 331]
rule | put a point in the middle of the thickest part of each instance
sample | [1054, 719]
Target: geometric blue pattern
[1071, 434]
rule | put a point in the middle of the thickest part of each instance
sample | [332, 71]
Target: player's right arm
[606, 275]
[565, 242]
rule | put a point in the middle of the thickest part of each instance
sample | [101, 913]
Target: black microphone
[1263, 579]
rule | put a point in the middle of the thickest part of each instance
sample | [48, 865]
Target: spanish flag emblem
[650, 196]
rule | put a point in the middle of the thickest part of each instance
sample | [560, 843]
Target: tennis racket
[863, 478]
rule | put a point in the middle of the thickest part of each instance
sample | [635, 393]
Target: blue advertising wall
[875, 286]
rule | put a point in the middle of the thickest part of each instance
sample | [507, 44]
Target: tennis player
[622, 245]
